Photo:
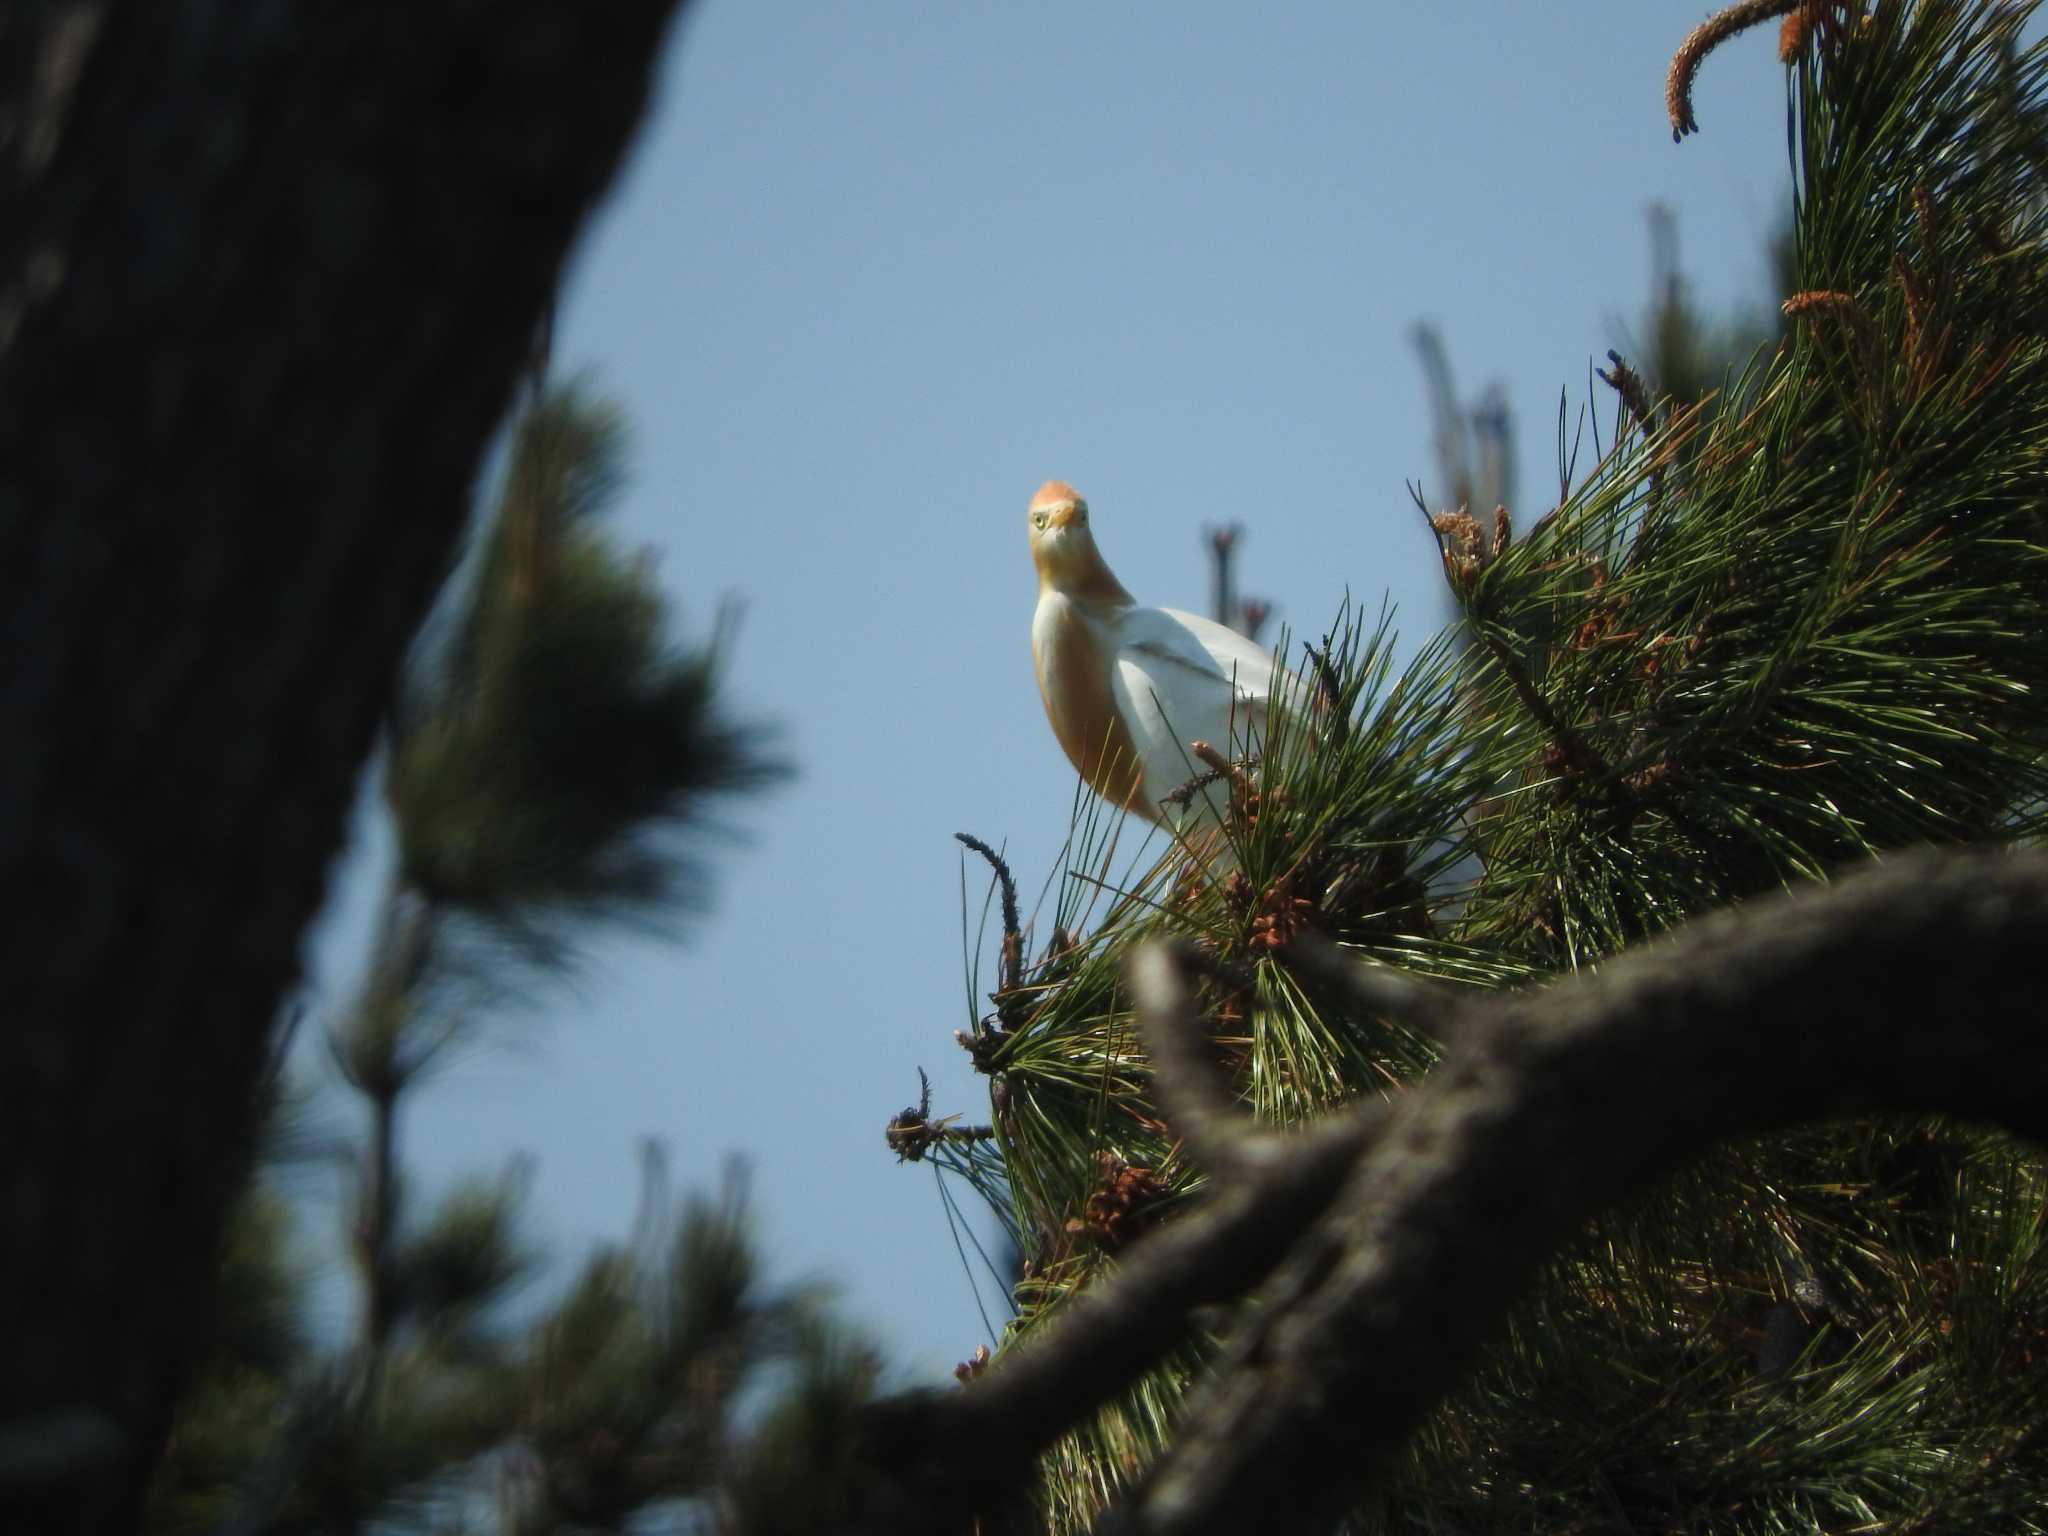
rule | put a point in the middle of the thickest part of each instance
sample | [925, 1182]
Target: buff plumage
[1129, 689]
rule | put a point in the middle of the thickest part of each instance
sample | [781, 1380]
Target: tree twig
[1577, 753]
[913, 1132]
[1703, 40]
[1329, 691]
[1628, 384]
[1010, 975]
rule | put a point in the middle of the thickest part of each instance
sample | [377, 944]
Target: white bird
[1129, 690]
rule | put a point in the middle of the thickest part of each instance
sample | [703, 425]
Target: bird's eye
[1038, 519]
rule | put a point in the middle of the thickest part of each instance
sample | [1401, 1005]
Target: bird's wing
[1188, 644]
[1181, 678]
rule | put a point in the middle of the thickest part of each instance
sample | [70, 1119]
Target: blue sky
[877, 270]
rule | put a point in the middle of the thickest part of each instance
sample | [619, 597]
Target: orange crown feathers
[1052, 493]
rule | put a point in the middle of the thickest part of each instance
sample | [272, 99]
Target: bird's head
[1064, 550]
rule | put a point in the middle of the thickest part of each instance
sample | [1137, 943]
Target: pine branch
[1011, 973]
[1703, 40]
[936, 1456]
[1628, 384]
[913, 1133]
[1914, 987]
[1573, 750]
[1222, 1138]
[1795, 626]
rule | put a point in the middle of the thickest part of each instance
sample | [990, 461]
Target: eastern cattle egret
[1129, 690]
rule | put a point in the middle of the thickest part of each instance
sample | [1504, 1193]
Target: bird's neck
[1077, 571]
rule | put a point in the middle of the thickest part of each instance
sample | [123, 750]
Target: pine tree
[551, 757]
[1778, 629]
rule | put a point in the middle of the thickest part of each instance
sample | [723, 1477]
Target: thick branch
[266, 284]
[1915, 987]
[938, 1455]
[1221, 1137]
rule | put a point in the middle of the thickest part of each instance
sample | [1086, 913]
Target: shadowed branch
[1395, 1235]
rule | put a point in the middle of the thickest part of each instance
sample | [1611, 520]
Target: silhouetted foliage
[553, 753]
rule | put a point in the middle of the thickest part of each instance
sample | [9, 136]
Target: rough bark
[1394, 1237]
[1913, 988]
[267, 277]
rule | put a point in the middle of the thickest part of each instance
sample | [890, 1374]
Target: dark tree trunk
[268, 274]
